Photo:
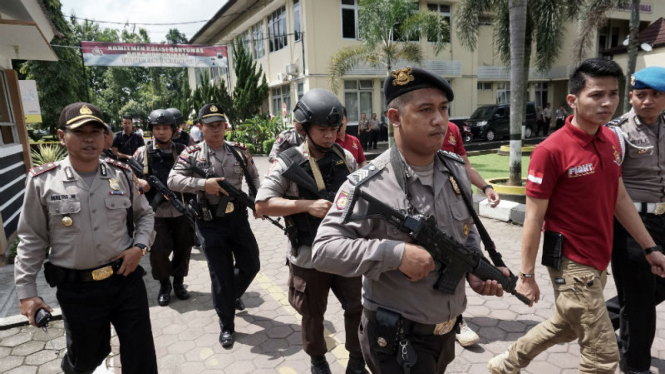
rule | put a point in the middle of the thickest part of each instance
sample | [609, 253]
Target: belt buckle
[229, 208]
[660, 209]
[444, 327]
[102, 273]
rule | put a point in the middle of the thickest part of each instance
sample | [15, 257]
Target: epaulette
[237, 145]
[117, 163]
[365, 173]
[43, 168]
[452, 156]
[617, 121]
[193, 148]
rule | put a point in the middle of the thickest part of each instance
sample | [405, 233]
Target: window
[243, 39]
[297, 33]
[503, 93]
[358, 98]
[396, 32]
[301, 87]
[281, 94]
[350, 19]
[259, 43]
[484, 86]
[277, 29]
[444, 13]
[8, 134]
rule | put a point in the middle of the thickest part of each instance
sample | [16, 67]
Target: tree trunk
[518, 83]
[633, 43]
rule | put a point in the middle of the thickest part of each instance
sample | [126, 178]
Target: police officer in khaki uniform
[398, 276]
[286, 139]
[327, 165]
[98, 225]
[174, 231]
[643, 170]
[223, 224]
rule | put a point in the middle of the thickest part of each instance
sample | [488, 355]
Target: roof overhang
[23, 40]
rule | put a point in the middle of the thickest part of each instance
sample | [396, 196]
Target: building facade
[293, 40]
[25, 32]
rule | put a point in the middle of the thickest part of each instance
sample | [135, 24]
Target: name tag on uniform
[56, 197]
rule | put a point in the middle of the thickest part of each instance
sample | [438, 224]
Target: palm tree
[386, 29]
[517, 77]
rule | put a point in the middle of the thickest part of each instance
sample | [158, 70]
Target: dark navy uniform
[127, 144]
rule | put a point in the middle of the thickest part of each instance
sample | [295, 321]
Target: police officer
[224, 225]
[398, 294]
[127, 141]
[174, 232]
[286, 139]
[180, 135]
[643, 170]
[327, 165]
[84, 209]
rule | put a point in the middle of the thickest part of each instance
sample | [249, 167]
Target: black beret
[77, 114]
[408, 79]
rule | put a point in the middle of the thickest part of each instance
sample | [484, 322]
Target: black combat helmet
[177, 115]
[318, 107]
[161, 117]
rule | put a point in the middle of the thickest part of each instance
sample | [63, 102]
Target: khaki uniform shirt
[374, 124]
[374, 248]
[275, 185]
[644, 170]
[98, 212]
[285, 140]
[222, 163]
[165, 209]
[363, 125]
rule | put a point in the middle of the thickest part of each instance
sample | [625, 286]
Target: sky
[149, 11]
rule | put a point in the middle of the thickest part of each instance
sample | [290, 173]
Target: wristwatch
[486, 187]
[142, 247]
[650, 250]
[522, 275]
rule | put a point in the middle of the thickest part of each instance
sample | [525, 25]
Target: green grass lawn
[495, 166]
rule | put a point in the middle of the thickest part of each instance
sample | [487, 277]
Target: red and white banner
[154, 55]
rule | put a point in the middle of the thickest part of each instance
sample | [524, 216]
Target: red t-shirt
[352, 144]
[579, 175]
[453, 141]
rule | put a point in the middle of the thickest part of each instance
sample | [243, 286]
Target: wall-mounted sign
[154, 55]
[30, 100]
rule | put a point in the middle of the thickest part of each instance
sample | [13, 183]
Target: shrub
[251, 148]
[267, 145]
[48, 153]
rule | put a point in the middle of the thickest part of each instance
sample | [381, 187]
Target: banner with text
[154, 55]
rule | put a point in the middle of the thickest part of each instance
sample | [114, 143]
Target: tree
[251, 88]
[386, 27]
[518, 81]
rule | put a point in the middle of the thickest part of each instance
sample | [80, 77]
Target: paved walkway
[268, 331]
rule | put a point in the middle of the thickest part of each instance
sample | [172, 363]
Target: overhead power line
[139, 23]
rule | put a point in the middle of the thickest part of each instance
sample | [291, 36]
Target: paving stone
[51, 367]
[41, 357]
[9, 332]
[15, 340]
[23, 370]
[10, 362]
[27, 348]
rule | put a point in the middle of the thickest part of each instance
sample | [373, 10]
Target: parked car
[492, 122]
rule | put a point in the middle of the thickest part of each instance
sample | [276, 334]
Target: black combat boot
[164, 293]
[179, 289]
[240, 306]
[320, 365]
[356, 364]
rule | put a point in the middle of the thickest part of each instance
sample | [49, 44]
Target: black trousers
[174, 235]
[226, 239]
[363, 136]
[633, 310]
[374, 138]
[89, 309]
[434, 353]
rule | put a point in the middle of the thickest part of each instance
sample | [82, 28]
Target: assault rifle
[457, 260]
[239, 195]
[163, 193]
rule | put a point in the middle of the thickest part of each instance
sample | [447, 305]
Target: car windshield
[484, 112]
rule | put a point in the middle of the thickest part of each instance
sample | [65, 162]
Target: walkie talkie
[42, 318]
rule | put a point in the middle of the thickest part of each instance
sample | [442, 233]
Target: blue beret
[408, 79]
[652, 77]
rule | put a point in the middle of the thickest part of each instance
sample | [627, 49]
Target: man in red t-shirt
[453, 143]
[575, 186]
[350, 143]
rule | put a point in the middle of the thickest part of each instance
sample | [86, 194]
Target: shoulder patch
[117, 163]
[238, 145]
[193, 148]
[43, 168]
[452, 156]
[365, 173]
[617, 121]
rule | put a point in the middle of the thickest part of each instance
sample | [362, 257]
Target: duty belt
[92, 275]
[650, 208]
[416, 328]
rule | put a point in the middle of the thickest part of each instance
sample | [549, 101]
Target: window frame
[259, 42]
[277, 30]
[358, 91]
[355, 8]
[11, 123]
[442, 14]
[296, 11]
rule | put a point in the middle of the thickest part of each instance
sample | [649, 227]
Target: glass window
[350, 19]
[281, 95]
[358, 98]
[301, 87]
[485, 86]
[243, 39]
[8, 134]
[444, 13]
[259, 42]
[277, 29]
[297, 35]
[412, 38]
